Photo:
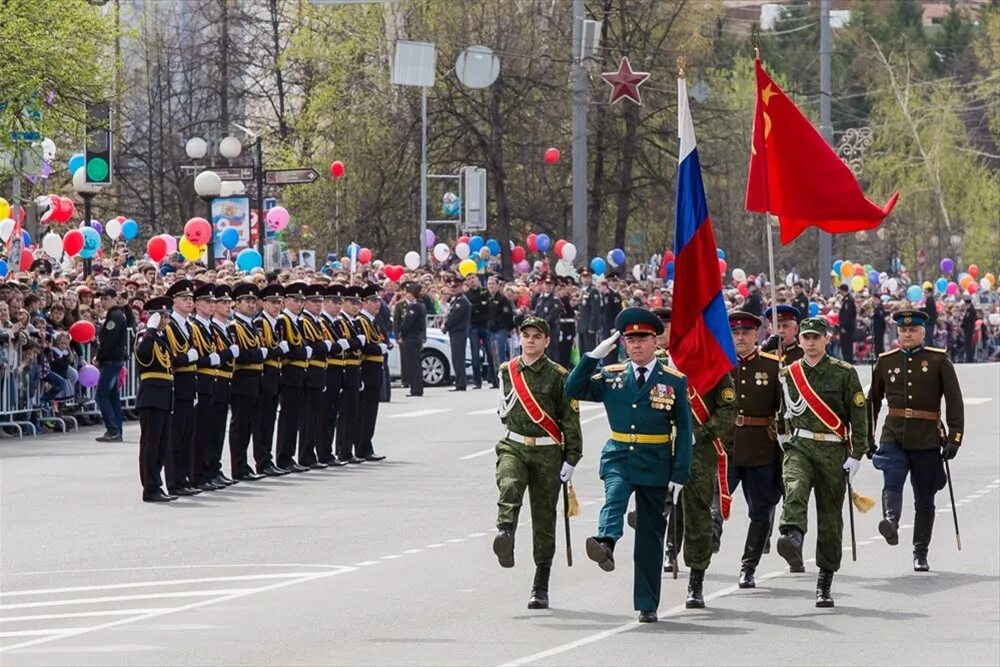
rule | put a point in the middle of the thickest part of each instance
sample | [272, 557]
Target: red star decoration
[625, 83]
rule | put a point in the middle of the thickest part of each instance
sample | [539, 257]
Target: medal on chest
[924, 365]
[894, 373]
[760, 378]
[661, 397]
[616, 381]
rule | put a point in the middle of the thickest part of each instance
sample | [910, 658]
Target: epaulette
[672, 371]
[504, 365]
[936, 349]
[768, 355]
[842, 363]
[615, 368]
[558, 367]
[886, 354]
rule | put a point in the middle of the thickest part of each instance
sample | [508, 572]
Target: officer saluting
[784, 343]
[645, 401]
[542, 446]
[155, 399]
[913, 380]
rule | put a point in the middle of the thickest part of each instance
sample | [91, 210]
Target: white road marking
[124, 598]
[161, 582]
[455, 540]
[390, 557]
[420, 413]
[477, 454]
[477, 534]
[976, 401]
[433, 546]
[36, 633]
[83, 614]
[413, 551]
[487, 411]
[176, 567]
[366, 563]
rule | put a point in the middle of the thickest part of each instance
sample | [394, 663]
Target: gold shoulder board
[672, 371]
[886, 354]
[615, 368]
[768, 355]
[558, 367]
[936, 349]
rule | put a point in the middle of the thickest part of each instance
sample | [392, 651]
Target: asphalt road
[391, 563]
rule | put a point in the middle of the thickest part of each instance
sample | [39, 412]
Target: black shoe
[601, 551]
[355, 459]
[892, 506]
[696, 582]
[756, 537]
[282, 471]
[374, 458]
[208, 485]
[746, 577]
[184, 491]
[630, 519]
[317, 466]
[270, 470]
[647, 617]
[222, 480]
[538, 600]
[112, 437]
[457, 389]
[823, 583]
[923, 527]
[540, 589]
[157, 496]
[790, 548]
[250, 476]
[295, 467]
[503, 546]
[334, 462]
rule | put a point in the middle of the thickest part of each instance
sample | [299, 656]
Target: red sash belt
[531, 406]
[816, 404]
[701, 415]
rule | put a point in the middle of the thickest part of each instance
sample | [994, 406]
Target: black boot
[756, 536]
[892, 507]
[503, 546]
[630, 519]
[601, 550]
[790, 548]
[823, 583]
[695, 598]
[923, 526]
[540, 589]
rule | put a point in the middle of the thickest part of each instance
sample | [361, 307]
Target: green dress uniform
[529, 458]
[815, 454]
[650, 447]
[154, 403]
[913, 382]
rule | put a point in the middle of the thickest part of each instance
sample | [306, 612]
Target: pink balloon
[277, 218]
[170, 241]
[952, 288]
[523, 266]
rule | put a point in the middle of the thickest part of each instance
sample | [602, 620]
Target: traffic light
[97, 151]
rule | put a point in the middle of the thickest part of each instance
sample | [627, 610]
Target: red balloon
[68, 209]
[973, 270]
[464, 238]
[559, 246]
[156, 247]
[552, 155]
[337, 169]
[532, 242]
[82, 331]
[722, 266]
[198, 231]
[364, 255]
[971, 288]
[859, 270]
[73, 242]
[517, 254]
[27, 259]
[121, 218]
[742, 288]
[393, 272]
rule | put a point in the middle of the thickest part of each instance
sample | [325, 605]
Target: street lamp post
[208, 185]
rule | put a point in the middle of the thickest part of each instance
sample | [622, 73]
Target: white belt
[821, 437]
[530, 440]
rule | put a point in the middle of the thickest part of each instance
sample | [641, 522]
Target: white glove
[153, 322]
[309, 353]
[782, 439]
[361, 337]
[234, 350]
[383, 347]
[344, 345]
[674, 488]
[192, 355]
[284, 346]
[263, 352]
[566, 473]
[329, 344]
[214, 359]
[605, 347]
[852, 466]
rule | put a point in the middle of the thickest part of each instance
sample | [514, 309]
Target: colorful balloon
[412, 260]
[462, 250]
[337, 169]
[88, 376]
[113, 229]
[230, 238]
[130, 229]
[476, 243]
[198, 231]
[394, 272]
[467, 267]
[517, 254]
[364, 256]
[249, 259]
[73, 242]
[156, 247]
[494, 247]
[569, 252]
[552, 155]
[532, 242]
[598, 266]
[913, 293]
[847, 269]
[947, 265]
[52, 244]
[82, 331]
[442, 252]
[91, 243]
[543, 242]
[189, 250]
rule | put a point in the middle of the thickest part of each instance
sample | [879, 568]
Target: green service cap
[814, 325]
[536, 322]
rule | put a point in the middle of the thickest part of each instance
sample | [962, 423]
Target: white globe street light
[196, 148]
[230, 148]
[208, 184]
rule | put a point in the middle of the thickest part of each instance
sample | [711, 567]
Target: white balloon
[378, 265]
[995, 319]
[113, 229]
[6, 228]
[739, 275]
[569, 252]
[412, 260]
[80, 183]
[52, 244]
[985, 284]
[462, 250]
[637, 272]
[563, 268]
[441, 252]
[892, 284]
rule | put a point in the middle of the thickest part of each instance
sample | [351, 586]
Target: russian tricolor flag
[701, 343]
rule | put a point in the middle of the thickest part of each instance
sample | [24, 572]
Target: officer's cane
[954, 510]
[673, 527]
[850, 507]
[569, 543]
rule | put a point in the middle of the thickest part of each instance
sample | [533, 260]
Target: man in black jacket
[930, 307]
[969, 330]
[501, 321]
[479, 335]
[848, 321]
[878, 327]
[412, 333]
[110, 359]
[456, 325]
[154, 400]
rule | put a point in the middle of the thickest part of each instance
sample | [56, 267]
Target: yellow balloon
[4, 208]
[857, 283]
[189, 251]
[927, 285]
[847, 269]
[992, 278]
[467, 267]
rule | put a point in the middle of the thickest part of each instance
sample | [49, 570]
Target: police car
[435, 359]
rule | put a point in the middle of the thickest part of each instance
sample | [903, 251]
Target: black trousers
[154, 440]
[331, 405]
[311, 425]
[458, 340]
[288, 423]
[762, 487]
[348, 417]
[566, 340]
[847, 347]
[386, 394]
[181, 439]
[371, 383]
[241, 424]
[204, 439]
[412, 371]
[220, 418]
[264, 418]
[970, 349]
[588, 342]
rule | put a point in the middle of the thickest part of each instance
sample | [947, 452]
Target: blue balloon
[598, 266]
[913, 293]
[543, 243]
[130, 229]
[618, 256]
[91, 242]
[330, 257]
[75, 162]
[721, 253]
[3, 268]
[873, 277]
[813, 309]
[249, 259]
[476, 244]
[494, 247]
[941, 284]
[230, 238]
[26, 238]
[837, 265]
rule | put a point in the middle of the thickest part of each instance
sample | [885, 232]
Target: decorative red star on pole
[625, 83]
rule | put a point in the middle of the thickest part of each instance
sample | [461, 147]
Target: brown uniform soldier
[914, 442]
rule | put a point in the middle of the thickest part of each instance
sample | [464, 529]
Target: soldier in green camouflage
[534, 409]
[826, 411]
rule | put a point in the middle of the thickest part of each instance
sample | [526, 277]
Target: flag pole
[755, 40]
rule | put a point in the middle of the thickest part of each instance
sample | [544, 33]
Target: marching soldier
[266, 414]
[313, 418]
[756, 462]
[549, 307]
[295, 360]
[913, 379]
[542, 446]
[347, 420]
[245, 388]
[411, 334]
[590, 311]
[155, 399]
[182, 360]
[825, 410]
[337, 332]
[372, 358]
[784, 343]
[203, 340]
[228, 352]
[645, 401]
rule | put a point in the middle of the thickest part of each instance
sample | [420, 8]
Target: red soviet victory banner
[795, 175]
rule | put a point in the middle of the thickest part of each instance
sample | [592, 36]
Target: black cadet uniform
[227, 352]
[913, 440]
[549, 307]
[456, 325]
[348, 424]
[335, 331]
[293, 380]
[567, 326]
[181, 425]
[208, 361]
[589, 324]
[412, 333]
[154, 402]
[312, 424]
[266, 414]
[245, 387]
[376, 340]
